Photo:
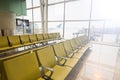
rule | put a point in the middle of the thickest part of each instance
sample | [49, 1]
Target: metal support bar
[64, 21]
[90, 19]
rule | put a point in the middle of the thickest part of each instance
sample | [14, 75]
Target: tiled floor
[103, 63]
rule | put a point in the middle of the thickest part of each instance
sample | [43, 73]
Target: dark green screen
[15, 6]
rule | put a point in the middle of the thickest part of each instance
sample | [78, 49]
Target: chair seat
[35, 42]
[41, 41]
[60, 72]
[70, 62]
[22, 67]
[83, 49]
[76, 55]
[15, 46]
[5, 48]
[26, 44]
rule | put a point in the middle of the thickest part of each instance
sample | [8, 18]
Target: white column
[44, 15]
[7, 23]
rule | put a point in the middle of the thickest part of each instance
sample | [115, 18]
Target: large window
[77, 10]
[68, 14]
[73, 17]
[73, 29]
[36, 3]
[55, 12]
[29, 3]
[29, 15]
[37, 14]
[55, 17]
[55, 27]
[34, 17]
[76, 18]
[37, 27]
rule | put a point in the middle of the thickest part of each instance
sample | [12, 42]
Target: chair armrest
[72, 52]
[22, 42]
[64, 58]
[31, 40]
[11, 45]
[51, 71]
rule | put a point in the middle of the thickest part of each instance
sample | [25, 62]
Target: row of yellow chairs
[51, 62]
[9, 42]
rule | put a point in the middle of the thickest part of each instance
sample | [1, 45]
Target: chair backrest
[67, 46]
[78, 41]
[40, 37]
[84, 39]
[3, 41]
[50, 36]
[54, 36]
[45, 35]
[58, 36]
[14, 40]
[23, 67]
[46, 56]
[59, 50]
[24, 38]
[33, 37]
[73, 44]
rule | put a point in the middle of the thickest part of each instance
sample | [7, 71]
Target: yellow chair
[78, 42]
[40, 38]
[22, 67]
[84, 40]
[74, 45]
[25, 40]
[50, 36]
[52, 70]
[70, 51]
[45, 36]
[14, 41]
[58, 36]
[63, 58]
[55, 36]
[33, 38]
[4, 45]
[85, 43]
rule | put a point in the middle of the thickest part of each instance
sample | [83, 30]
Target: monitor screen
[22, 22]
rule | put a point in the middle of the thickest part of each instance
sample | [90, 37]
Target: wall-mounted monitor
[22, 22]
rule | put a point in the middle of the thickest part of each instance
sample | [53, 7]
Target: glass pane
[19, 30]
[96, 30]
[106, 9]
[37, 28]
[37, 14]
[77, 10]
[54, 1]
[28, 29]
[36, 3]
[29, 15]
[74, 28]
[55, 12]
[55, 27]
[111, 32]
[29, 3]
[98, 11]
[20, 17]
